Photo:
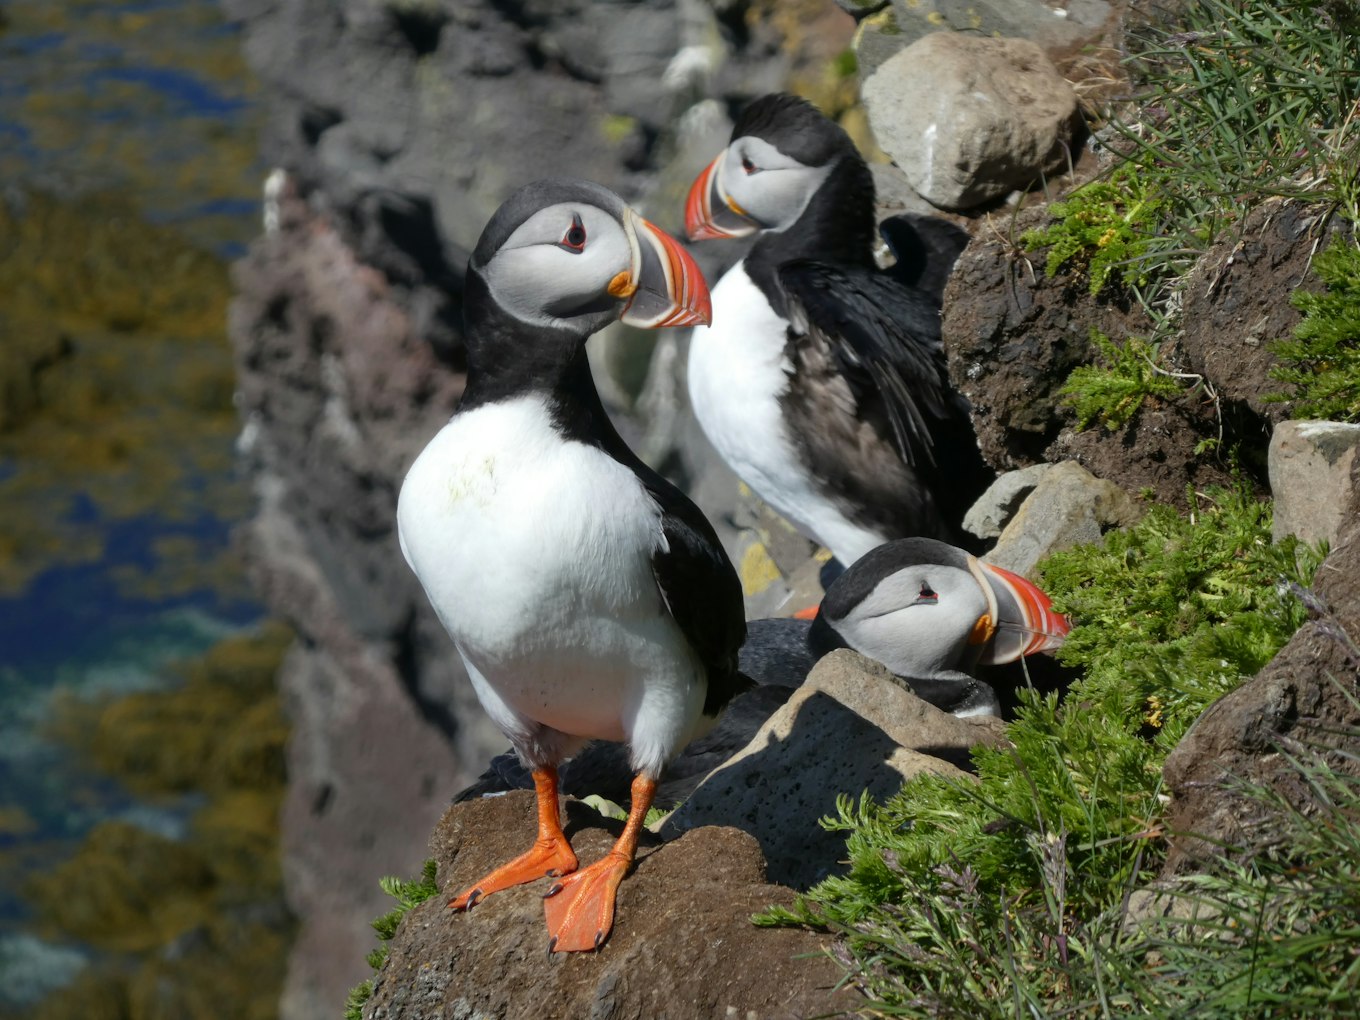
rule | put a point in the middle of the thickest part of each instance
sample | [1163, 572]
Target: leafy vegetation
[408, 894]
[1107, 225]
[1004, 896]
[1322, 362]
[1238, 101]
[1114, 391]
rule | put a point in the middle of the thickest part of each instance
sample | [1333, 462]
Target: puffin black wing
[701, 591]
[885, 338]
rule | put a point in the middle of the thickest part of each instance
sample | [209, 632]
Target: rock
[338, 394]
[851, 727]
[969, 119]
[1012, 336]
[1311, 466]
[683, 945]
[1059, 29]
[989, 515]
[1237, 304]
[1298, 703]
[1069, 506]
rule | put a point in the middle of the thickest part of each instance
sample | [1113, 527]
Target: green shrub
[984, 898]
[1113, 392]
[1322, 362]
[1103, 226]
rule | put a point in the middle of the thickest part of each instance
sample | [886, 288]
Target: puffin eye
[927, 594]
[574, 240]
[747, 165]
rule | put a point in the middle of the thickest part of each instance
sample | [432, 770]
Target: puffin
[932, 613]
[823, 381]
[587, 597]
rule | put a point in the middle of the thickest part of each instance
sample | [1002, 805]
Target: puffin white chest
[536, 554]
[738, 371]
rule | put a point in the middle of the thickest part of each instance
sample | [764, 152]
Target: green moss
[962, 895]
[1322, 363]
[1113, 391]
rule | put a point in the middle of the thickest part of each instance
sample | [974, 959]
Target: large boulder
[969, 119]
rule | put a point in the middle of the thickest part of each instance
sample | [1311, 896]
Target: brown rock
[1237, 303]
[682, 947]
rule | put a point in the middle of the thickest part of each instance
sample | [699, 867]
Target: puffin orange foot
[545, 857]
[580, 908]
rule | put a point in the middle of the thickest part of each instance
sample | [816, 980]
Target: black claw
[599, 939]
[553, 890]
[474, 898]
[552, 944]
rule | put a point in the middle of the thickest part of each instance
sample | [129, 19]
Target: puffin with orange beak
[823, 382]
[932, 613]
[587, 597]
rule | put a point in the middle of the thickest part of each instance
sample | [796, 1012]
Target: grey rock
[1069, 506]
[851, 727]
[988, 517]
[1057, 27]
[1311, 479]
[969, 119]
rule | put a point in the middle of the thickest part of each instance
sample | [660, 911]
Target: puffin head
[567, 254]
[926, 610]
[782, 149]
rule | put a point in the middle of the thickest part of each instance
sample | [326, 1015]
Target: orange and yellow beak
[1022, 620]
[664, 286]
[709, 212]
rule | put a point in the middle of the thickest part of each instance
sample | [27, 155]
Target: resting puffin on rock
[587, 597]
[823, 383]
[932, 613]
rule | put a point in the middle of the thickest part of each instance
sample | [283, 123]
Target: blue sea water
[130, 98]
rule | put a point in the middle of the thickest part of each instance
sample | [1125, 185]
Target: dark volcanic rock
[683, 945]
[1013, 335]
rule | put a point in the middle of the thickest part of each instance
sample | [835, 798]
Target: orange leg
[580, 908]
[551, 854]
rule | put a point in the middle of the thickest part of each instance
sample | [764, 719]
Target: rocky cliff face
[398, 127]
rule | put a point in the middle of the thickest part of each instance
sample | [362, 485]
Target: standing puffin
[587, 597]
[823, 384]
[932, 613]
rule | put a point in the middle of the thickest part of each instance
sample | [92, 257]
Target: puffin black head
[926, 610]
[782, 151]
[569, 255]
